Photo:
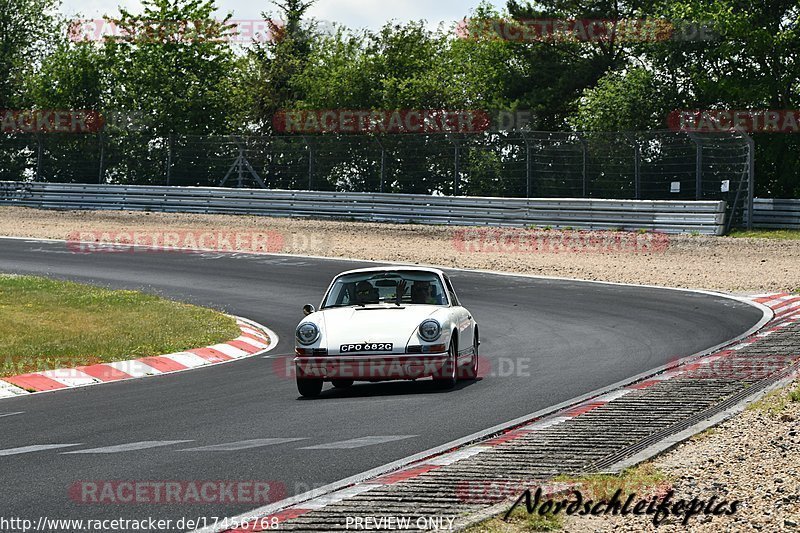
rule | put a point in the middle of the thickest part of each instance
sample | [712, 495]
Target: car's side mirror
[308, 309]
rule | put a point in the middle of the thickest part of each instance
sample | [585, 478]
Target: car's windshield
[365, 288]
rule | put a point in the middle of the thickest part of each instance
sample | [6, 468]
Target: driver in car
[366, 293]
[421, 293]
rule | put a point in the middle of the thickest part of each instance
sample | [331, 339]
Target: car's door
[466, 325]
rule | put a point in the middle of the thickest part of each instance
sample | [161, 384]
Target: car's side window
[453, 297]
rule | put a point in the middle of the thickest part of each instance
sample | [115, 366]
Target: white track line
[36, 448]
[358, 443]
[240, 445]
[129, 447]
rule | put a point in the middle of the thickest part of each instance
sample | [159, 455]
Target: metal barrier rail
[706, 217]
[776, 214]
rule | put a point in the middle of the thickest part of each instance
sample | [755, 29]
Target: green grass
[773, 403]
[794, 395]
[778, 234]
[47, 324]
[520, 521]
[641, 479]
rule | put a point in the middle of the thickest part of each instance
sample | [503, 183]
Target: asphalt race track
[544, 341]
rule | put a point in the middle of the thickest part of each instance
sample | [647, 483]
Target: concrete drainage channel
[607, 433]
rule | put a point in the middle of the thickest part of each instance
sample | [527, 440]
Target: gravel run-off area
[753, 457]
[740, 265]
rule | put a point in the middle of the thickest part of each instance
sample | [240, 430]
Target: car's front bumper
[374, 367]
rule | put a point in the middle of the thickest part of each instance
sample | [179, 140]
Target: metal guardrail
[769, 213]
[669, 216]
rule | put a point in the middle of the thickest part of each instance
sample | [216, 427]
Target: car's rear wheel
[472, 370]
[449, 371]
[342, 383]
[309, 388]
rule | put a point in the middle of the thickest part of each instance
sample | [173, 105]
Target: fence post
[457, 168]
[100, 177]
[240, 182]
[584, 175]
[310, 164]
[169, 157]
[528, 166]
[698, 167]
[383, 164]
[39, 155]
[751, 178]
[637, 165]
[383, 167]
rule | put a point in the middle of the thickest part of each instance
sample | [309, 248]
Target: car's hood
[373, 324]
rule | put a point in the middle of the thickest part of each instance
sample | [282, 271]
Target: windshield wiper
[343, 305]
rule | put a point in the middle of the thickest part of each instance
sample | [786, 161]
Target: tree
[28, 29]
[173, 63]
[276, 62]
[70, 77]
[632, 100]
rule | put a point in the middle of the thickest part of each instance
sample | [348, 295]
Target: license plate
[367, 347]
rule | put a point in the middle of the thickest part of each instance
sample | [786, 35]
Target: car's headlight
[430, 330]
[307, 333]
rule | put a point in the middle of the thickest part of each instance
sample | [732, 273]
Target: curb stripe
[135, 368]
[211, 355]
[405, 474]
[189, 360]
[250, 341]
[506, 437]
[104, 373]
[164, 364]
[35, 382]
[246, 346]
[71, 377]
[229, 350]
[7, 390]
[583, 409]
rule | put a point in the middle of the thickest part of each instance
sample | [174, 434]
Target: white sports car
[387, 323]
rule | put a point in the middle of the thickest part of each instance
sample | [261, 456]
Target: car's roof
[393, 268]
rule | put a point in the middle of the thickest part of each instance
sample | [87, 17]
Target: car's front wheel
[447, 379]
[309, 388]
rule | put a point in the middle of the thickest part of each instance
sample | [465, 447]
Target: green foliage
[274, 65]
[180, 78]
[70, 78]
[189, 79]
[28, 30]
[632, 100]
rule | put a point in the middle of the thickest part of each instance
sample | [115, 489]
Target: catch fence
[654, 165]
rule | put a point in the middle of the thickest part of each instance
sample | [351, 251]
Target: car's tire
[309, 388]
[449, 381]
[471, 372]
[342, 383]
